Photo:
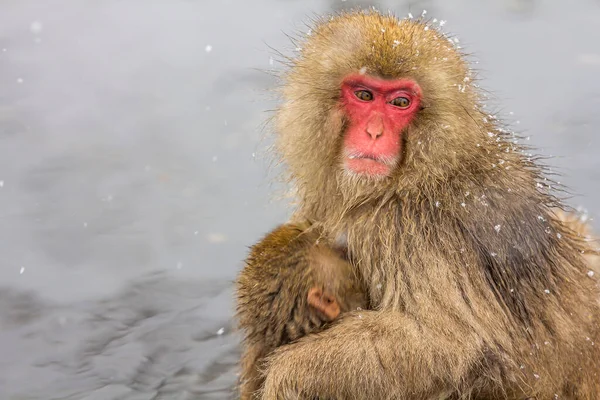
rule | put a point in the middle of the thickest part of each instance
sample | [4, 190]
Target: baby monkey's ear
[324, 302]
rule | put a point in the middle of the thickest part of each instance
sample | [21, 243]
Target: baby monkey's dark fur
[274, 294]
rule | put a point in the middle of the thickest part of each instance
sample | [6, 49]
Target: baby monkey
[311, 285]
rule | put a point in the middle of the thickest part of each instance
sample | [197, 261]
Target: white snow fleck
[1, 184]
[253, 155]
[22, 270]
[271, 61]
[497, 228]
[208, 48]
[423, 13]
[215, 158]
[437, 203]
[546, 291]
[493, 254]
[4, 50]
[536, 376]
[434, 20]
[221, 331]
[363, 70]
[442, 23]
[216, 238]
[85, 224]
[410, 16]
[558, 235]
[396, 43]
[426, 28]
[590, 273]
[463, 204]
[36, 27]
[19, 80]
[378, 286]
[179, 265]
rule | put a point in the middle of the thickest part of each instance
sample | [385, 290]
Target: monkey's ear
[324, 302]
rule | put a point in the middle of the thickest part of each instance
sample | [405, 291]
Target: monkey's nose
[375, 127]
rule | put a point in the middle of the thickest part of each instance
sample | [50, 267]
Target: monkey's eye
[364, 95]
[401, 102]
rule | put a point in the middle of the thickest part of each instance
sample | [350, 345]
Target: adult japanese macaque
[293, 285]
[477, 289]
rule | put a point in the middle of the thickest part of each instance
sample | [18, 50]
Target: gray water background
[133, 177]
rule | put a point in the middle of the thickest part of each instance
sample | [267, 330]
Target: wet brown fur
[478, 290]
[272, 294]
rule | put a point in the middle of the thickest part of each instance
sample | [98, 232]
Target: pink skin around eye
[372, 143]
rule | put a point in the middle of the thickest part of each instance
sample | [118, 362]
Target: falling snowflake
[216, 238]
[497, 228]
[208, 48]
[221, 331]
[36, 27]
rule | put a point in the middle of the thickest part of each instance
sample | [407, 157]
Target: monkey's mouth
[368, 164]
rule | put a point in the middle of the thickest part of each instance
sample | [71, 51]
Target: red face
[379, 111]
